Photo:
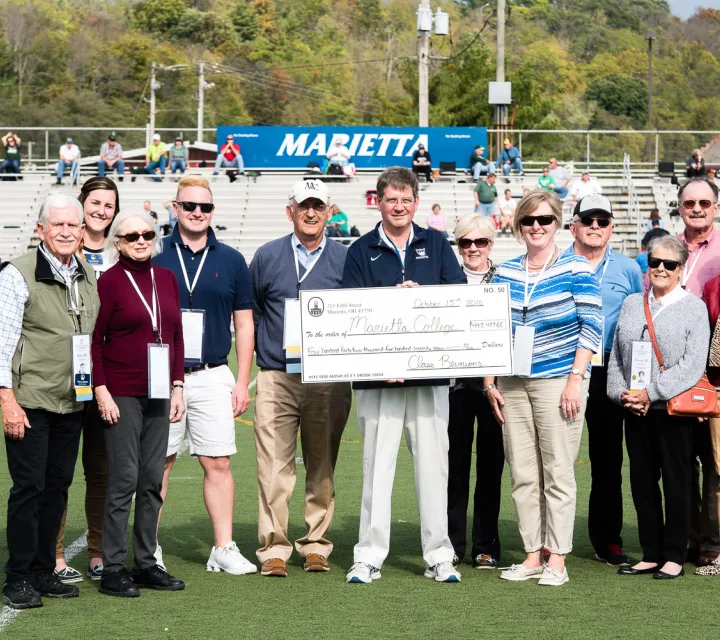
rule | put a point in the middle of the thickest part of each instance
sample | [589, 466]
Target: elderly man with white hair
[48, 306]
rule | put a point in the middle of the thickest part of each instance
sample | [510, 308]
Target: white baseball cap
[594, 203]
[305, 189]
[156, 136]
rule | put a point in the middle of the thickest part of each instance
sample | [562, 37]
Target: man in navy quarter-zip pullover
[400, 253]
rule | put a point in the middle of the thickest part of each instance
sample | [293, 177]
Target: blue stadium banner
[370, 147]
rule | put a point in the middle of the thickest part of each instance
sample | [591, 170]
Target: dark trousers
[660, 445]
[605, 430]
[704, 521]
[424, 170]
[41, 467]
[136, 448]
[466, 406]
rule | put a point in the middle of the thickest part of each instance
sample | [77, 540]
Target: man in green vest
[48, 307]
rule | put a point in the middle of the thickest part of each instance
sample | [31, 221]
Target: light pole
[648, 144]
[424, 28]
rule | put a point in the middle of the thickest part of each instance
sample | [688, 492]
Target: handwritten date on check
[448, 331]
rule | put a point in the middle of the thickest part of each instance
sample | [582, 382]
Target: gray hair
[111, 253]
[468, 224]
[674, 244]
[59, 201]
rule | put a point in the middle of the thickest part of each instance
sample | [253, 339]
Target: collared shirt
[305, 258]
[111, 153]
[154, 151]
[400, 251]
[223, 286]
[677, 294]
[703, 264]
[14, 294]
[69, 151]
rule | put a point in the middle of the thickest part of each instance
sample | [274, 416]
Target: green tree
[159, 16]
[621, 96]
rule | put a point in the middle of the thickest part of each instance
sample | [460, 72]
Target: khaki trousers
[541, 448]
[705, 523]
[284, 405]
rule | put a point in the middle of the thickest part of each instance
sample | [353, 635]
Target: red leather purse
[700, 400]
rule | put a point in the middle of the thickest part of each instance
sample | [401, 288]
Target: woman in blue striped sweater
[556, 316]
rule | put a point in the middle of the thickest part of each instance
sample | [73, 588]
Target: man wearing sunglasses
[215, 291]
[618, 276]
[229, 158]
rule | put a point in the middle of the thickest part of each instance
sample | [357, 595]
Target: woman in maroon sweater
[139, 315]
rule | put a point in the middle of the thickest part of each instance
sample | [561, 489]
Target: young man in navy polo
[215, 290]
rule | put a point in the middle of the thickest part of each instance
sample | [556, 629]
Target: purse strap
[651, 331]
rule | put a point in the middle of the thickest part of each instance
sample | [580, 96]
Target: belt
[201, 367]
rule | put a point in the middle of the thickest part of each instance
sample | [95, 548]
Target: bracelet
[178, 386]
[487, 389]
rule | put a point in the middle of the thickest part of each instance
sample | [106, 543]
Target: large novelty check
[448, 331]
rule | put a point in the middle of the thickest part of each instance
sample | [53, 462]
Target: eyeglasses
[406, 202]
[670, 265]
[543, 221]
[601, 222]
[480, 243]
[690, 204]
[304, 207]
[205, 207]
[135, 236]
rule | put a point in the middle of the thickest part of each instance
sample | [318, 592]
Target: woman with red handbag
[664, 335]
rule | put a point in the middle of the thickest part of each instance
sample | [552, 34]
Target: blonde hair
[529, 204]
[193, 181]
[472, 222]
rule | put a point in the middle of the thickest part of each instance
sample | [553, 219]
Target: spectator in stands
[147, 206]
[695, 165]
[438, 220]
[655, 221]
[48, 295]
[479, 164]
[585, 187]
[156, 157]
[69, 157]
[338, 155]
[485, 195]
[139, 313]
[421, 163]
[546, 181]
[172, 215]
[111, 157]
[507, 206]
[642, 257]
[178, 156]
[561, 177]
[11, 162]
[337, 224]
[229, 158]
[509, 158]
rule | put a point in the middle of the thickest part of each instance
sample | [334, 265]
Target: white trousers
[382, 415]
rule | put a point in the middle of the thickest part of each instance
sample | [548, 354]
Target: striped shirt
[565, 308]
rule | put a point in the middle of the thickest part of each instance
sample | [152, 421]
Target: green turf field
[596, 603]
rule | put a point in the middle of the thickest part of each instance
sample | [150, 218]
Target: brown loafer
[274, 567]
[315, 563]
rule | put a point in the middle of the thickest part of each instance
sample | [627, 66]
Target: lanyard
[527, 279]
[190, 288]
[74, 304]
[152, 312]
[297, 266]
[602, 275]
[688, 272]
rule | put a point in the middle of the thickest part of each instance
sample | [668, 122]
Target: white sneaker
[230, 560]
[443, 572]
[553, 578]
[364, 573]
[159, 558]
[519, 572]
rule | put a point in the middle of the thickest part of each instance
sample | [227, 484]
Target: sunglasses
[480, 243]
[601, 222]
[670, 265]
[205, 207]
[690, 204]
[543, 221]
[134, 236]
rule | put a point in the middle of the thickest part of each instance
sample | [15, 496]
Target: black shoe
[118, 583]
[156, 578]
[630, 571]
[21, 595]
[613, 556]
[661, 575]
[49, 584]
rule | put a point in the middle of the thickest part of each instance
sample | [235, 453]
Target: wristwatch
[486, 389]
[577, 372]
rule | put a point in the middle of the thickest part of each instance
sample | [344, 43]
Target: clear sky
[685, 8]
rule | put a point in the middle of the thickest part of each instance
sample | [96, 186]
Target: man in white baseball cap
[619, 276]
[304, 259]
[156, 157]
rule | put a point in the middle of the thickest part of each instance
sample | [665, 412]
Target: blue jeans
[561, 191]
[223, 163]
[74, 169]
[485, 209]
[157, 164]
[515, 164]
[479, 169]
[103, 167]
[178, 165]
[10, 166]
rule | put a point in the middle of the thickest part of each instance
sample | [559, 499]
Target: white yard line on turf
[7, 615]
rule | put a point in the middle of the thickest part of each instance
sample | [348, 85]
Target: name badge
[292, 336]
[158, 372]
[641, 365]
[95, 259]
[523, 350]
[82, 367]
[598, 359]
[193, 324]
